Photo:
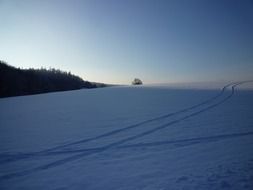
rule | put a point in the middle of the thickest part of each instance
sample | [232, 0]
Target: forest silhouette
[16, 81]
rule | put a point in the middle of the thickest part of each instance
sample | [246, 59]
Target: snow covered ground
[197, 136]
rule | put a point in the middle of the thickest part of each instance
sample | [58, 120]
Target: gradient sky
[115, 41]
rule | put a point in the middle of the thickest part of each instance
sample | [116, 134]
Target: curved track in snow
[116, 131]
[14, 157]
[183, 115]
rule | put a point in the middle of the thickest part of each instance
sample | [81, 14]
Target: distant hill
[16, 81]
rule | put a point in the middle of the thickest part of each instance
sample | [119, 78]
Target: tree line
[16, 81]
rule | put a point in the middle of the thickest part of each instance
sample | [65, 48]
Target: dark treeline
[16, 81]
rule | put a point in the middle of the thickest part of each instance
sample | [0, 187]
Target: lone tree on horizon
[137, 81]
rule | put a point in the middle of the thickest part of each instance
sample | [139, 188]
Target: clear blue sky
[115, 41]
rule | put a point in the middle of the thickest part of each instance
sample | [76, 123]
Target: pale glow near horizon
[116, 41]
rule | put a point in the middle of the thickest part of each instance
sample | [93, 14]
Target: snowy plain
[154, 137]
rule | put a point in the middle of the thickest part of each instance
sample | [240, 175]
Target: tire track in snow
[113, 132]
[177, 142]
[20, 156]
[190, 141]
[115, 144]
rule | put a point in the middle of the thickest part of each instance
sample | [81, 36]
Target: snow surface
[147, 137]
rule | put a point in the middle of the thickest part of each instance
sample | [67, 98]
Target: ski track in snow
[18, 156]
[78, 154]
